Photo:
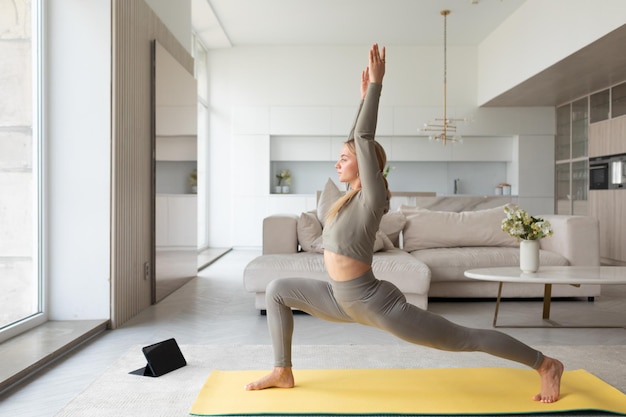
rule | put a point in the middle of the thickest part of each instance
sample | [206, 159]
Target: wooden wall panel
[618, 135]
[599, 138]
[134, 26]
[607, 137]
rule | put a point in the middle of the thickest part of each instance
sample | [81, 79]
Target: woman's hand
[365, 80]
[376, 65]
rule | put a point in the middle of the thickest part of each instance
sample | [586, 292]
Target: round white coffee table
[549, 275]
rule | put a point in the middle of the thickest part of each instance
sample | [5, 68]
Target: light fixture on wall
[444, 129]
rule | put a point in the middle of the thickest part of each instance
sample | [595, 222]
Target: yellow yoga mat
[438, 391]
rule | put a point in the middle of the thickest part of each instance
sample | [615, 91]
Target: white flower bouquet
[284, 177]
[519, 224]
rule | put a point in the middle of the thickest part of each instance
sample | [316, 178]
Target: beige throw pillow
[329, 195]
[391, 225]
[382, 242]
[309, 231]
[442, 229]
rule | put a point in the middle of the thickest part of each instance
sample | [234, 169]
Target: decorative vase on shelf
[285, 189]
[529, 255]
[278, 189]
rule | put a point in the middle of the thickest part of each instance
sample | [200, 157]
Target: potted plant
[193, 181]
[284, 181]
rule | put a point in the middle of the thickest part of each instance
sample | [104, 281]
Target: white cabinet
[292, 203]
[407, 120]
[251, 120]
[342, 119]
[176, 148]
[398, 148]
[176, 219]
[301, 148]
[251, 174]
[484, 149]
[498, 149]
[300, 120]
[384, 124]
[418, 149]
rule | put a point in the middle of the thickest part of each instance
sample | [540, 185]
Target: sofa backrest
[427, 229]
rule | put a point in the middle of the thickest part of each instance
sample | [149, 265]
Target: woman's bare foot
[550, 372]
[280, 377]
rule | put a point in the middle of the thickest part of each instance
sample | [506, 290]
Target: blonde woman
[353, 294]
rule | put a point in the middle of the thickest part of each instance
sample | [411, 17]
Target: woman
[353, 293]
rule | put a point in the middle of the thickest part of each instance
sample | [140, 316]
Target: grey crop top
[353, 231]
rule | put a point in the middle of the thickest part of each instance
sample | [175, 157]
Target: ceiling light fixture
[444, 129]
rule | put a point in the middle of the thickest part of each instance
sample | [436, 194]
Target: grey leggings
[380, 304]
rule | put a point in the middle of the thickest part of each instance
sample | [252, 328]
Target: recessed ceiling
[237, 23]
[346, 22]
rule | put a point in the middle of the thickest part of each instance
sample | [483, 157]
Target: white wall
[77, 142]
[539, 34]
[250, 88]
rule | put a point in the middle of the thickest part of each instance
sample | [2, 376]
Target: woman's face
[347, 166]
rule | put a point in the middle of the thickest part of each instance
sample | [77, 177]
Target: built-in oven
[599, 171]
[607, 172]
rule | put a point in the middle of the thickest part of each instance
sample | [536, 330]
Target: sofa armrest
[280, 234]
[577, 238]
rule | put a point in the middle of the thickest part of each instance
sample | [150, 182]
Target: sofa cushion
[309, 231]
[426, 229]
[450, 264]
[391, 224]
[329, 195]
[382, 242]
[263, 269]
[396, 266]
[408, 210]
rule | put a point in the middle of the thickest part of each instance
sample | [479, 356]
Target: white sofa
[425, 253]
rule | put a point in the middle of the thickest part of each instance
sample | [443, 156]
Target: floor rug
[116, 393]
[435, 391]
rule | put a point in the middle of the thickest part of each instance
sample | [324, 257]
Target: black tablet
[162, 357]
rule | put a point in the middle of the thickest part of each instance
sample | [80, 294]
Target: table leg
[495, 314]
[547, 299]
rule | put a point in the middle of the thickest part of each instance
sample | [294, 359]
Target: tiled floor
[174, 268]
[215, 309]
[30, 351]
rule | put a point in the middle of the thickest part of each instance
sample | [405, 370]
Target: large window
[21, 289]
